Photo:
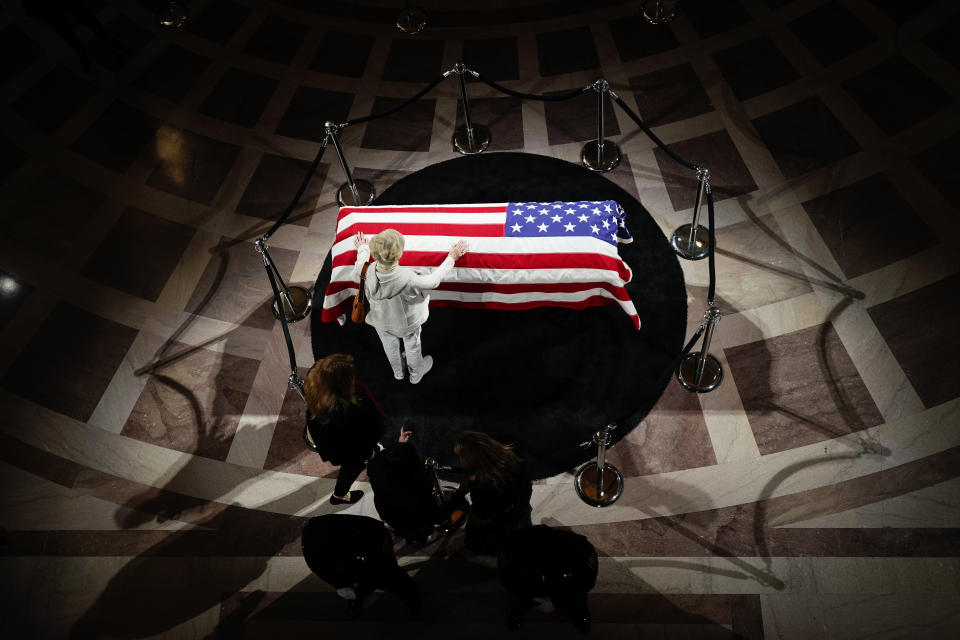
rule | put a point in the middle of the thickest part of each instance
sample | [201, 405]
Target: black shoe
[353, 497]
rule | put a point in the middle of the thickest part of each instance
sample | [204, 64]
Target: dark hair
[330, 384]
[490, 461]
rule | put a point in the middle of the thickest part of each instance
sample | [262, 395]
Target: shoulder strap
[362, 290]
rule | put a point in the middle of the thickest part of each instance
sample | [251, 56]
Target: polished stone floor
[153, 477]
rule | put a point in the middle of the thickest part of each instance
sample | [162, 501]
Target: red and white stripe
[498, 272]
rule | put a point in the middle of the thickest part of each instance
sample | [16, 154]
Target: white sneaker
[427, 365]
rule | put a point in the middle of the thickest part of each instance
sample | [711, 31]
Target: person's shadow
[244, 538]
[212, 528]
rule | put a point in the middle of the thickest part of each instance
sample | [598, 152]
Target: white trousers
[411, 347]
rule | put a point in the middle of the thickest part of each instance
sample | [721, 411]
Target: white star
[606, 224]
[595, 228]
[516, 228]
[556, 205]
[596, 211]
[529, 218]
[555, 218]
[613, 236]
[583, 217]
[543, 212]
[571, 211]
[607, 208]
[517, 213]
[531, 206]
[569, 226]
[542, 227]
[583, 205]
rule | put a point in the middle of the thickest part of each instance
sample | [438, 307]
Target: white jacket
[399, 302]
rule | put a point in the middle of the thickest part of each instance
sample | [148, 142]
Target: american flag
[522, 254]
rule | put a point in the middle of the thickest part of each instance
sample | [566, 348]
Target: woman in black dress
[499, 490]
[343, 421]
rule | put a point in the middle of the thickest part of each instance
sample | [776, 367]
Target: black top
[510, 498]
[402, 488]
[541, 561]
[345, 549]
[347, 434]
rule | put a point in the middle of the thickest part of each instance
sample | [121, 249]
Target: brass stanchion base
[698, 249]
[709, 380]
[607, 159]
[412, 20]
[365, 190]
[462, 143]
[586, 482]
[302, 302]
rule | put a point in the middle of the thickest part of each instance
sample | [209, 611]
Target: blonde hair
[387, 246]
[482, 456]
[330, 384]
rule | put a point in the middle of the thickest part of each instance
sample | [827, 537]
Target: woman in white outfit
[399, 299]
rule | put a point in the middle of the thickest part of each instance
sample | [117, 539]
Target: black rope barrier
[460, 69]
[690, 344]
[278, 300]
[651, 134]
[393, 110]
[530, 96]
[711, 260]
[303, 187]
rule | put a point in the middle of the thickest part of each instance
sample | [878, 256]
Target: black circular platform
[548, 378]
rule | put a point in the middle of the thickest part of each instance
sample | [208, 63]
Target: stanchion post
[692, 241]
[597, 483]
[431, 466]
[296, 383]
[294, 299]
[412, 20]
[353, 193]
[600, 155]
[442, 494]
[700, 371]
[659, 15]
[470, 138]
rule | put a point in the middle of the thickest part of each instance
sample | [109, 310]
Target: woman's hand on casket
[459, 249]
[359, 240]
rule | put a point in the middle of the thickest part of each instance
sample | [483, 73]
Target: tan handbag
[360, 303]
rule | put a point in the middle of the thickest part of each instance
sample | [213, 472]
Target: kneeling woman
[499, 491]
[343, 421]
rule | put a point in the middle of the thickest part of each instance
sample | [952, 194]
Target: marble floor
[153, 477]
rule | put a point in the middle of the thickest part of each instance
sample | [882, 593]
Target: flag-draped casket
[522, 254]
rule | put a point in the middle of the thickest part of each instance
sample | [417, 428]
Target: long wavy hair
[330, 384]
[482, 456]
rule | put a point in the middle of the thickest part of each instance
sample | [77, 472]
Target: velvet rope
[303, 187]
[711, 291]
[393, 110]
[689, 346]
[280, 306]
[652, 135]
[530, 96]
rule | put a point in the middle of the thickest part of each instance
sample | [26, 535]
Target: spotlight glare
[8, 286]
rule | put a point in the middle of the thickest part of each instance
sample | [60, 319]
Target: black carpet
[546, 378]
